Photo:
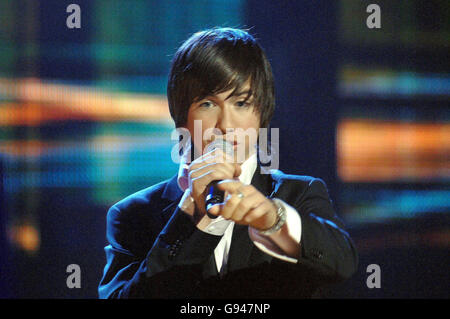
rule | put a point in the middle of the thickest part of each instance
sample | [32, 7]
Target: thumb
[215, 209]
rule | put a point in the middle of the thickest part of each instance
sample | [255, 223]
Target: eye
[206, 104]
[242, 104]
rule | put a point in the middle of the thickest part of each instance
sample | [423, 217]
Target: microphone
[215, 195]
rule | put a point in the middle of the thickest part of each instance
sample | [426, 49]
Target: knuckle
[226, 214]
[191, 174]
[216, 174]
[244, 206]
[234, 200]
[194, 184]
[249, 217]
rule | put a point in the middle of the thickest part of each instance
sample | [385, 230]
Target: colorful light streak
[32, 102]
[386, 151]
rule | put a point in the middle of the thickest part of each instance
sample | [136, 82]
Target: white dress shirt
[222, 227]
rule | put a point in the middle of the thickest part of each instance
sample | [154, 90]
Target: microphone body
[214, 194]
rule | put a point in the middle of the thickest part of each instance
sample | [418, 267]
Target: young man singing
[273, 236]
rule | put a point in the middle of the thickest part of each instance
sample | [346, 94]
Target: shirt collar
[248, 169]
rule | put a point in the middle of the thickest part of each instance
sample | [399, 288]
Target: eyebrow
[240, 94]
[231, 95]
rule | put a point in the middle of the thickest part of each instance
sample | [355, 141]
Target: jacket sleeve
[327, 251]
[170, 268]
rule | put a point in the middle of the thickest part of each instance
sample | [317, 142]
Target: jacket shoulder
[292, 188]
[143, 197]
[139, 208]
[133, 222]
[280, 177]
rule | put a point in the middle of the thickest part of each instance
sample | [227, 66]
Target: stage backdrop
[84, 122]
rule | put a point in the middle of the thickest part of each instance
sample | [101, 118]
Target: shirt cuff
[294, 225]
[218, 226]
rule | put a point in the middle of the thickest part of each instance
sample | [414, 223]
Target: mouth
[232, 142]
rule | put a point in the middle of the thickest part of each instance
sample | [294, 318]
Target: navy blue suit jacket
[155, 250]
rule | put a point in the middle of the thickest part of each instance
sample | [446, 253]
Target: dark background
[63, 166]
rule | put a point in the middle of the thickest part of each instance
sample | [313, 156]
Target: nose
[225, 120]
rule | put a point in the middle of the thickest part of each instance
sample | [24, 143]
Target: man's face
[233, 117]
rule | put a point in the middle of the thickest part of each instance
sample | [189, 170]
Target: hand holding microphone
[207, 170]
[214, 194]
[211, 176]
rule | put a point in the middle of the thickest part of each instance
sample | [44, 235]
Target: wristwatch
[281, 219]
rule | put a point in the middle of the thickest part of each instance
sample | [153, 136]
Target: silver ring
[240, 195]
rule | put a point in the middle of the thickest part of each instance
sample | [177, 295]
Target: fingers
[216, 157]
[201, 177]
[239, 203]
[262, 217]
[210, 167]
[231, 186]
[245, 205]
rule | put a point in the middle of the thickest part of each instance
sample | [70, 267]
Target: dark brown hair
[214, 61]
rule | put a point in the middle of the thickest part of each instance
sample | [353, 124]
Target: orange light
[374, 150]
[25, 236]
[42, 102]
